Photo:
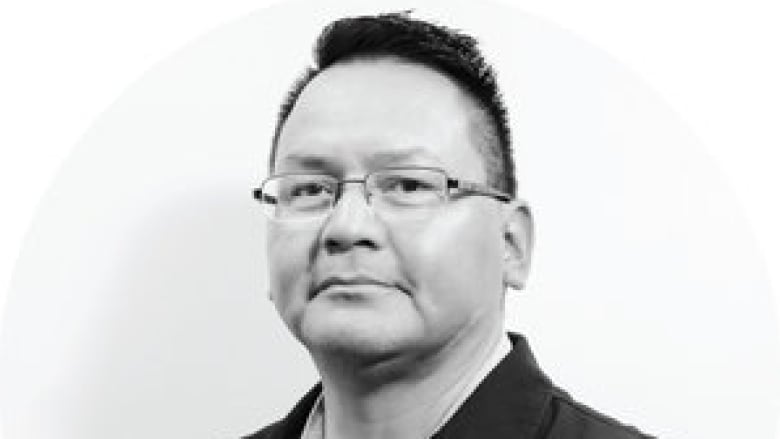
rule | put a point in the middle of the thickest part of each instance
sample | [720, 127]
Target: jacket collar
[509, 403]
[292, 425]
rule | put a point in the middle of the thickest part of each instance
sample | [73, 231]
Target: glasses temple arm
[476, 188]
[258, 195]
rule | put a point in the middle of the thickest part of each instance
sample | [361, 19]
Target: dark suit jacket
[516, 400]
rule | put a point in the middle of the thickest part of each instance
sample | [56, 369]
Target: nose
[351, 223]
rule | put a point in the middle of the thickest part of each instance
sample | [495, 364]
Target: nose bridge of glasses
[341, 187]
[349, 207]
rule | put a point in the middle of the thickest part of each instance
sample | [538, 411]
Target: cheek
[288, 265]
[456, 260]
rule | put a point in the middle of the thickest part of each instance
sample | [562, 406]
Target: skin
[417, 303]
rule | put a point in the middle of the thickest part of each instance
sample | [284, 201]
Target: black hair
[444, 50]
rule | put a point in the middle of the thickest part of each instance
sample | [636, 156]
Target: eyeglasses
[397, 191]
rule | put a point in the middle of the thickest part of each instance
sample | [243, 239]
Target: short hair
[444, 50]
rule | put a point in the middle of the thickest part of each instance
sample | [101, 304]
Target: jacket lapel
[292, 425]
[509, 403]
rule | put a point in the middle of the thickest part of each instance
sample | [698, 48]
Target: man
[394, 234]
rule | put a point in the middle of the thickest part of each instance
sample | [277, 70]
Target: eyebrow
[313, 162]
[376, 160]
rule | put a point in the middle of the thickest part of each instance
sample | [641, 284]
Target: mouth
[353, 284]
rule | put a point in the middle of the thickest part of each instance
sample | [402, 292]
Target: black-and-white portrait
[441, 220]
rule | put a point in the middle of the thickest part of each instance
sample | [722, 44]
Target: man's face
[399, 285]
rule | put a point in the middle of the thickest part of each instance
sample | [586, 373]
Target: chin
[355, 337]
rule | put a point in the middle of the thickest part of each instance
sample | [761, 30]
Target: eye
[304, 192]
[409, 188]
[307, 189]
[404, 184]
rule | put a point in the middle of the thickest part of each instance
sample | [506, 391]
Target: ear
[518, 244]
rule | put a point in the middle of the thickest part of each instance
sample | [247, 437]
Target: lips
[353, 281]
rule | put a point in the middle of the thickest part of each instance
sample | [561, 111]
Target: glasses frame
[465, 187]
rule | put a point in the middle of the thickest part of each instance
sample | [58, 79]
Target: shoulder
[291, 425]
[267, 432]
[569, 418]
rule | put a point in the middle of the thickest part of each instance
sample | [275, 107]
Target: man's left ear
[518, 243]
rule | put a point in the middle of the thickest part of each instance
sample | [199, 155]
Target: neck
[381, 399]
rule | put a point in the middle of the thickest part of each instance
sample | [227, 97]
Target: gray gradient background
[139, 306]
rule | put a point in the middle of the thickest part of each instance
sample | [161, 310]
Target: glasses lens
[408, 188]
[300, 195]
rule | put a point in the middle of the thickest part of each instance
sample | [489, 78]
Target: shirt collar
[509, 403]
[501, 349]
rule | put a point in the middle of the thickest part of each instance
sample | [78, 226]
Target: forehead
[363, 113]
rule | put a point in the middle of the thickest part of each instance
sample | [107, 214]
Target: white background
[716, 63]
